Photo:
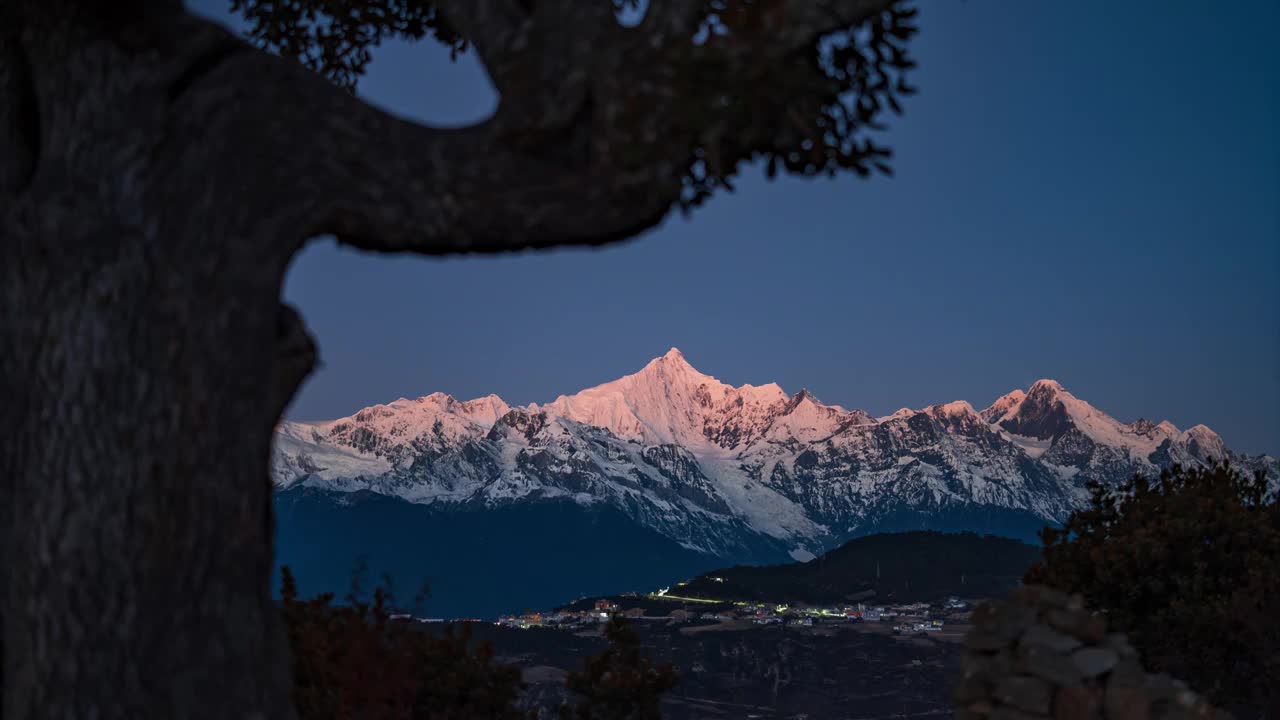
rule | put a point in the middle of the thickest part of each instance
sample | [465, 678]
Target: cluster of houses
[908, 618]
[561, 619]
[914, 617]
[919, 626]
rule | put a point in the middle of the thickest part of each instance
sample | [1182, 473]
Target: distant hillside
[905, 567]
[478, 564]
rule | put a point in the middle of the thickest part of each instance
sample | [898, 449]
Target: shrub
[621, 683]
[1188, 565]
[355, 662]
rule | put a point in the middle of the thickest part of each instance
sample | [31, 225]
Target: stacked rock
[1041, 654]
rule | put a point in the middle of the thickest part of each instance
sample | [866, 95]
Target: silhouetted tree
[158, 174]
[1186, 565]
[622, 682]
[355, 662]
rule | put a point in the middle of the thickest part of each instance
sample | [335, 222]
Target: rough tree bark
[156, 177]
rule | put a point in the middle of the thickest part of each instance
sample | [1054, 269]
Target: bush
[621, 683]
[1188, 565]
[355, 662]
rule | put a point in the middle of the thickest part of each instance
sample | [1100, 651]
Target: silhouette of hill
[904, 567]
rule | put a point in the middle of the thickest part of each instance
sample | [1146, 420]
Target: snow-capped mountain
[744, 472]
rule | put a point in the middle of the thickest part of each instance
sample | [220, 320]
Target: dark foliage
[809, 112]
[1186, 565]
[356, 661]
[336, 37]
[621, 683]
[361, 661]
[908, 567]
[853, 76]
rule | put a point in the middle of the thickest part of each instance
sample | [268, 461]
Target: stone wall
[1040, 654]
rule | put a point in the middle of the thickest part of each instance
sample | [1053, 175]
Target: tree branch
[597, 133]
[443, 192]
[492, 27]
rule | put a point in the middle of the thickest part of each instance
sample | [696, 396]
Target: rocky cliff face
[746, 471]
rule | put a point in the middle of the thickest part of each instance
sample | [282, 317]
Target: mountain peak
[664, 402]
[1202, 430]
[899, 413]
[955, 407]
[485, 410]
[672, 359]
[672, 356]
[805, 397]
[1204, 443]
[1003, 405]
[1045, 412]
[672, 366]
[1046, 385]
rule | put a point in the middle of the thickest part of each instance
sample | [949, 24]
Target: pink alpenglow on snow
[710, 464]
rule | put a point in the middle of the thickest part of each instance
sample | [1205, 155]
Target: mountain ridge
[723, 469]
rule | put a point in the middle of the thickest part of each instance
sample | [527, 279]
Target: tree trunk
[156, 177]
[146, 359]
[137, 422]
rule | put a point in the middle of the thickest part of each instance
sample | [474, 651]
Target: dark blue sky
[1088, 191]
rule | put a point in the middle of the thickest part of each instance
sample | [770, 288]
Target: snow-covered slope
[747, 471]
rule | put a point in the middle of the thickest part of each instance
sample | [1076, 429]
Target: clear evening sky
[1088, 191]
